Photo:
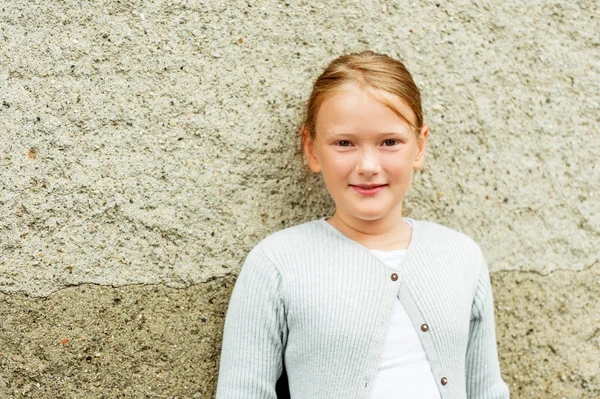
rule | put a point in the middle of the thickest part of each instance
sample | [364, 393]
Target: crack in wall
[233, 275]
[537, 272]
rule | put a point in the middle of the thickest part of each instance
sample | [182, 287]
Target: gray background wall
[145, 147]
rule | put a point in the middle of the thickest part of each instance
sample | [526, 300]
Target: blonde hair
[368, 70]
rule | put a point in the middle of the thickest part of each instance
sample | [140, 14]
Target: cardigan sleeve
[254, 334]
[482, 366]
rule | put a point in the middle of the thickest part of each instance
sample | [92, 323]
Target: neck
[388, 233]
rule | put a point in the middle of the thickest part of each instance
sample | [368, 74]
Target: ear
[421, 144]
[309, 151]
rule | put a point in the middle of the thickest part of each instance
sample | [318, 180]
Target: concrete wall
[145, 147]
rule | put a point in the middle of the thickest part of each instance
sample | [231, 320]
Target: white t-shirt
[404, 371]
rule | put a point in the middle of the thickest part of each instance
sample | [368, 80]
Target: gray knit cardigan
[315, 299]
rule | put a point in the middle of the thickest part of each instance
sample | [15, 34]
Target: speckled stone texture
[153, 341]
[548, 332]
[103, 342]
[148, 146]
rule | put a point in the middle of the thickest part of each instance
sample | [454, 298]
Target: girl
[366, 303]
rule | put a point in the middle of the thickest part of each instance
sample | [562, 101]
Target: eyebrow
[381, 134]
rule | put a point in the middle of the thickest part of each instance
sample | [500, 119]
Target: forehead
[353, 109]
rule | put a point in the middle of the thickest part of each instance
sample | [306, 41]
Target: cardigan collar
[414, 239]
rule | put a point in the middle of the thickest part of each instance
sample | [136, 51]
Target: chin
[368, 216]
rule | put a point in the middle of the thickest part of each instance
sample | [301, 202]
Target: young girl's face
[366, 152]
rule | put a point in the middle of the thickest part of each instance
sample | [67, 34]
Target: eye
[343, 143]
[390, 142]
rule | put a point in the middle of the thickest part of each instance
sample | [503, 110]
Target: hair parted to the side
[368, 70]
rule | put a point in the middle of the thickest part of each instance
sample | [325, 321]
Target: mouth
[368, 186]
[368, 189]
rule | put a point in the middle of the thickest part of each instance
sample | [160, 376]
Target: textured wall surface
[145, 147]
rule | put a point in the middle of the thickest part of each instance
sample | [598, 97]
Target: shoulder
[291, 235]
[452, 253]
[438, 235]
[294, 242]
[267, 260]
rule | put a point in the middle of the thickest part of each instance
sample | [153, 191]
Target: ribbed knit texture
[321, 302]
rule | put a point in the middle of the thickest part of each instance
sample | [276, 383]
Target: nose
[368, 163]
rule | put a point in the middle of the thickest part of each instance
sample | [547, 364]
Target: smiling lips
[368, 189]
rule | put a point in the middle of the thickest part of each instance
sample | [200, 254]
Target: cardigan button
[394, 276]
[424, 328]
[444, 380]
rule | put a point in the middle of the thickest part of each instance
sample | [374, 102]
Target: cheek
[336, 164]
[400, 165]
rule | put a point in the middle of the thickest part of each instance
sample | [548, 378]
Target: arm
[254, 334]
[483, 369]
